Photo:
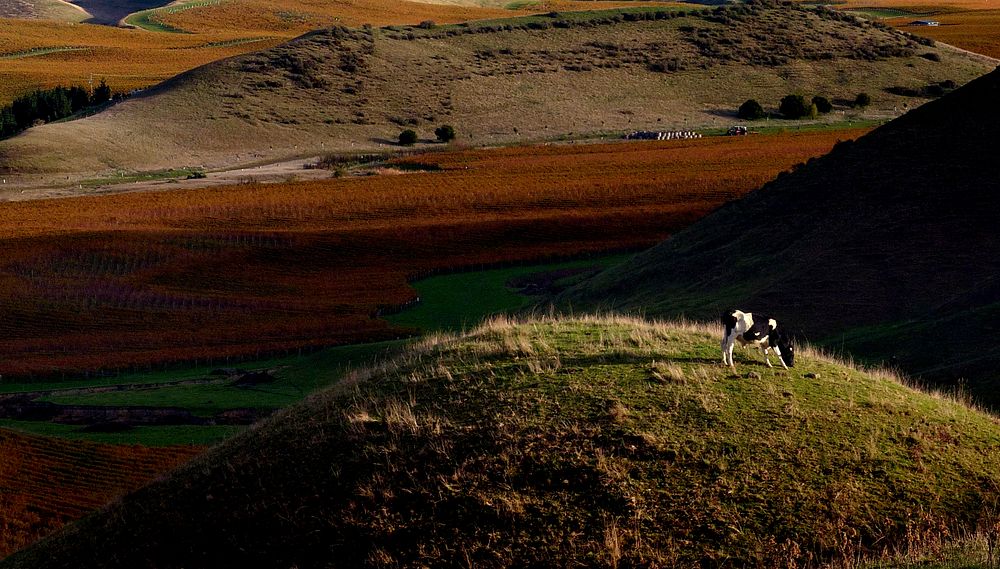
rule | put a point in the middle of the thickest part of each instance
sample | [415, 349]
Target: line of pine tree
[49, 105]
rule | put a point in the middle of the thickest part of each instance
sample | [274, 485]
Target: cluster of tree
[444, 133]
[797, 107]
[42, 106]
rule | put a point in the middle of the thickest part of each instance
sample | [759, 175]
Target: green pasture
[149, 19]
[457, 302]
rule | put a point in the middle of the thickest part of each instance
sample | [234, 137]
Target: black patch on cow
[760, 330]
[729, 321]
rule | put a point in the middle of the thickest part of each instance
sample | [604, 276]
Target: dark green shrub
[751, 111]
[862, 100]
[445, 133]
[823, 105]
[796, 107]
[408, 137]
[102, 94]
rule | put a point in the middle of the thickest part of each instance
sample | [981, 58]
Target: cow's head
[786, 344]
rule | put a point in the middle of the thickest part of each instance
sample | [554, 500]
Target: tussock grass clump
[545, 442]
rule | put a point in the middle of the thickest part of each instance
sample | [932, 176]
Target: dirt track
[286, 171]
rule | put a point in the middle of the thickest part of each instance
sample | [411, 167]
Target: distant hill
[497, 81]
[886, 248]
[42, 9]
[582, 442]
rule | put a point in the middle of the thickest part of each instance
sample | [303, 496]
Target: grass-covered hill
[578, 442]
[42, 9]
[496, 81]
[887, 247]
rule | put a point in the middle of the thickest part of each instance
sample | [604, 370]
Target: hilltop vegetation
[499, 81]
[885, 248]
[593, 442]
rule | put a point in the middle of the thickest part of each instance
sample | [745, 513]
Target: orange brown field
[137, 279]
[973, 25]
[47, 483]
[975, 30]
[128, 59]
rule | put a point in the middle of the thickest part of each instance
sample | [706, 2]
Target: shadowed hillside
[886, 247]
[507, 80]
[585, 442]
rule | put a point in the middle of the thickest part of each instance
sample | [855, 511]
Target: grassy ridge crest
[584, 441]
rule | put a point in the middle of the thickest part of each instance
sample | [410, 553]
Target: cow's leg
[727, 349]
[777, 352]
[767, 360]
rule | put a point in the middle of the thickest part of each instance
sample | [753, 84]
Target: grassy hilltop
[583, 442]
[496, 81]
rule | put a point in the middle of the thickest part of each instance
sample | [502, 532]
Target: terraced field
[45, 54]
[46, 483]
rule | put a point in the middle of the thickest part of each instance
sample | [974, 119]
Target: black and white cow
[761, 332]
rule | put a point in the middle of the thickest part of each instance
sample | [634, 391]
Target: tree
[407, 137]
[862, 100]
[78, 98]
[751, 110]
[445, 133]
[796, 107]
[102, 94]
[823, 104]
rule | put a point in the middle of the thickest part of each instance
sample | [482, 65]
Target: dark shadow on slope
[110, 12]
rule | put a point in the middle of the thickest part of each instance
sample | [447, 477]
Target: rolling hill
[886, 248]
[42, 9]
[497, 81]
[579, 442]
